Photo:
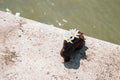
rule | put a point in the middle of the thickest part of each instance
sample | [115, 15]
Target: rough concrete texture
[30, 50]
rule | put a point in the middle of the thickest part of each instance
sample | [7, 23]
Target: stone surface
[30, 50]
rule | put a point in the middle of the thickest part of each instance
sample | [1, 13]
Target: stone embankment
[30, 50]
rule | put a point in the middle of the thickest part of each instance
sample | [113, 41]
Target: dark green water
[95, 18]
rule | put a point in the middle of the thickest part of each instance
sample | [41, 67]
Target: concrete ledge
[30, 50]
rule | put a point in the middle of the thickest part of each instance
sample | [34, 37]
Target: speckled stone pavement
[30, 50]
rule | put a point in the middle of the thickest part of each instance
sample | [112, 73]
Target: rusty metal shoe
[69, 47]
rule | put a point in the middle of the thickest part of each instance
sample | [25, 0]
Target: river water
[95, 18]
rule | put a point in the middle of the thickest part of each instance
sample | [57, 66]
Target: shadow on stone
[74, 63]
